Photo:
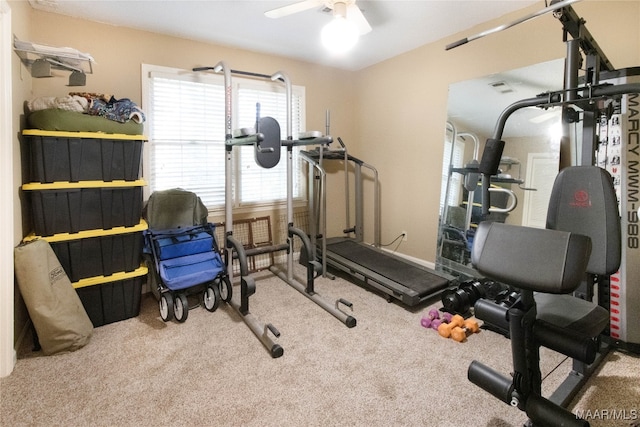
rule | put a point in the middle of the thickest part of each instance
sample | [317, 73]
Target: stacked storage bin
[86, 199]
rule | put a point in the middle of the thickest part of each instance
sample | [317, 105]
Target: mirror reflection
[520, 193]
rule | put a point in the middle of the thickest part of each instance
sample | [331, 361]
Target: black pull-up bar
[554, 6]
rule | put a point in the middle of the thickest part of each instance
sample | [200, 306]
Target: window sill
[253, 209]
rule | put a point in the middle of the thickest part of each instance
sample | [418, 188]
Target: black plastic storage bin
[70, 209]
[113, 301]
[99, 252]
[83, 156]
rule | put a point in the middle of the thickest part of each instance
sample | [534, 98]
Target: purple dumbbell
[428, 319]
[446, 318]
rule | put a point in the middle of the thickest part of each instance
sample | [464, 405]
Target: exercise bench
[580, 244]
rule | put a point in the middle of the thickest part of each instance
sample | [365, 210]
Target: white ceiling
[477, 104]
[398, 25]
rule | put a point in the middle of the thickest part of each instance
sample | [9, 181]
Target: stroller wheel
[181, 308]
[226, 290]
[211, 297]
[166, 306]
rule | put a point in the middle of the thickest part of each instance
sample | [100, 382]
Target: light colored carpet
[212, 371]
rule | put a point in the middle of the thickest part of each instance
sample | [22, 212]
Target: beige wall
[401, 105]
[119, 53]
[391, 115]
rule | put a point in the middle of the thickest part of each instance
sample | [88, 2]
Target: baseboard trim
[420, 261]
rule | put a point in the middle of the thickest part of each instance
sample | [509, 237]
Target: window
[185, 125]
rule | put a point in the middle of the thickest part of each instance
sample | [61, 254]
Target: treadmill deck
[407, 281]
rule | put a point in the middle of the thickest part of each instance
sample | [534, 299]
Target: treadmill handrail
[312, 157]
[323, 209]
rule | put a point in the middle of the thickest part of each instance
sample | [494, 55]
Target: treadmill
[396, 277]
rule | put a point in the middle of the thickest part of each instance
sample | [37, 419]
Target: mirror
[520, 193]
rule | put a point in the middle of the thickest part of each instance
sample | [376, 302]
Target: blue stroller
[182, 255]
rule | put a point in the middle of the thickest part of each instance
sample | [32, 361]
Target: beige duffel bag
[55, 309]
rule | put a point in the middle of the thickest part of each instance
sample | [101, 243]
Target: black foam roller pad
[491, 157]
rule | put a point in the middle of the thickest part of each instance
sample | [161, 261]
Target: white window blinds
[186, 130]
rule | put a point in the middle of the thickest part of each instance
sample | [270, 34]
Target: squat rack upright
[267, 142]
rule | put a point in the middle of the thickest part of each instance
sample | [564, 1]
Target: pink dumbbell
[429, 318]
[446, 318]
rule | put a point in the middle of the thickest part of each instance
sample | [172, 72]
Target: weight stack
[619, 154]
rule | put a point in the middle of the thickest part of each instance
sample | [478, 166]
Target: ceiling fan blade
[354, 14]
[293, 8]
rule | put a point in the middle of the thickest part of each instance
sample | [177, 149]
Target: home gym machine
[395, 276]
[586, 201]
[267, 142]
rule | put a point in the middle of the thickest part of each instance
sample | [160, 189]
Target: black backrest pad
[583, 201]
[533, 259]
[268, 155]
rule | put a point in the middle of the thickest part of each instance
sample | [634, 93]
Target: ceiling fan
[346, 9]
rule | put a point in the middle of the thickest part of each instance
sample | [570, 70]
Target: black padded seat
[584, 317]
[532, 259]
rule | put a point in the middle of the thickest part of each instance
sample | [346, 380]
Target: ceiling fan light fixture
[339, 35]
